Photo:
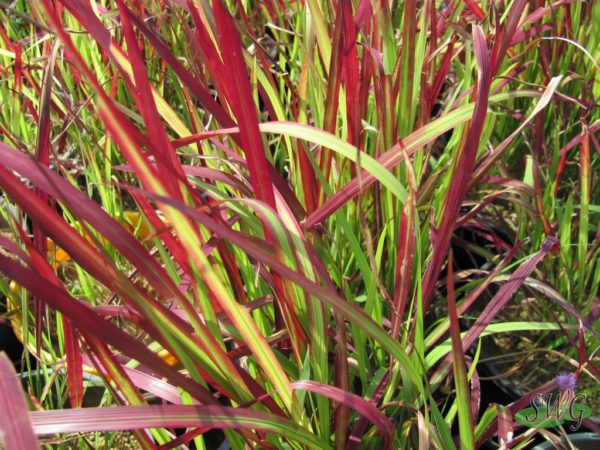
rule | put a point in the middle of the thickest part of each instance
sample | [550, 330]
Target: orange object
[133, 222]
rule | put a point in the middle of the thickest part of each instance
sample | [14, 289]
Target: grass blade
[362, 406]
[465, 419]
[16, 429]
[234, 75]
[158, 416]
[463, 169]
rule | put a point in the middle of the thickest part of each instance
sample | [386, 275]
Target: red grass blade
[404, 263]
[154, 385]
[332, 98]
[362, 406]
[464, 168]
[342, 381]
[475, 392]
[544, 10]
[234, 76]
[74, 364]
[167, 165]
[441, 75]
[160, 416]
[505, 35]
[16, 430]
[505, 428]
[360, 427]
[351, 78]
[475, 9]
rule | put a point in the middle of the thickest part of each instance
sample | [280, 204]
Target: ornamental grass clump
[241, 220]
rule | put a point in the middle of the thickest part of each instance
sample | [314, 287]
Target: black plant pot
[487, 369]
[581, 441]
[9, 343]
[94, 391]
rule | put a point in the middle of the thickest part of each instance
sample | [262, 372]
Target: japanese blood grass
[301, 169]
[17, 430]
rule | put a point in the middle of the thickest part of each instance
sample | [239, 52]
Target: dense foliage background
[296, 221]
